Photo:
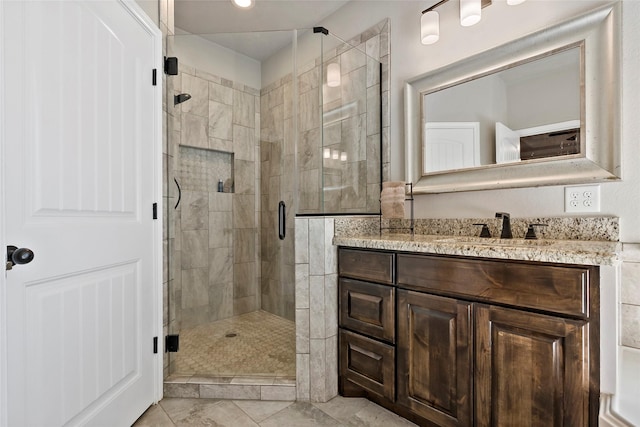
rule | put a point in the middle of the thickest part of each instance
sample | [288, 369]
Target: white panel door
[450, 145]
[507, 144]
[80, 129]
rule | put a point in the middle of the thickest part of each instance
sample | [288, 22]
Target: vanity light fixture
[470, 14]
[430, 27]
[333, 74]
[243, 4]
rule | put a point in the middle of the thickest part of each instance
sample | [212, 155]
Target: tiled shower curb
[237, 388]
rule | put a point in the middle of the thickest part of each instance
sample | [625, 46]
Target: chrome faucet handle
[531, 232]
[506, 225]
[485, 230]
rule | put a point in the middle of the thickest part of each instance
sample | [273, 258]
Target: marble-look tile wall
[630, 296]
[343, 128]
[316, 310]
[213, 236]
[277, 178]
[352, 186]
[316, 287]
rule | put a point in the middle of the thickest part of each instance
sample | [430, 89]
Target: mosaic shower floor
[252, 344]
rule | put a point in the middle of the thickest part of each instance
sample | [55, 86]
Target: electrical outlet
[582, 198]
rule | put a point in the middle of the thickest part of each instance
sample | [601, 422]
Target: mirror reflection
[528, 112]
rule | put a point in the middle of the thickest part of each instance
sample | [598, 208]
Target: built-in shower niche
[206, 170]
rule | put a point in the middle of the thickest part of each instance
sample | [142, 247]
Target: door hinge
[155, 345]
[171, 65]
[155, 211]
[322, 30]
[154, 77]
[171, 343]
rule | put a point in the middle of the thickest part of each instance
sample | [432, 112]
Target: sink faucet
[506, 225]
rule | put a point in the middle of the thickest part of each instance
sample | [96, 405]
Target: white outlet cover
[582, 198]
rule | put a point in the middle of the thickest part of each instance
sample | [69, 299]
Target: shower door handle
[179, 193]
[281, 220]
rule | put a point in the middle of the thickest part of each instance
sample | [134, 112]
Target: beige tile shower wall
[316, 269]
[316, 310]
[630, 296]
[352, 123]
[277, 184]
[214, 256]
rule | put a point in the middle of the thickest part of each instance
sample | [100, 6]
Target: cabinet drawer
[368, 363]
[367, 265]
[367, 308]
[560, 289]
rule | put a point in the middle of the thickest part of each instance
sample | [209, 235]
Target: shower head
[179, 99]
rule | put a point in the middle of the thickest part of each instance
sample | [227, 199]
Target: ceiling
[212, 17]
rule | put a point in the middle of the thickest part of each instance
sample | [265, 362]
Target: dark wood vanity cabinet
[435, 352]
[366, 315]
[477, 342]
[530, 369]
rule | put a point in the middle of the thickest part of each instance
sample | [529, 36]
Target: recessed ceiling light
[243, 4]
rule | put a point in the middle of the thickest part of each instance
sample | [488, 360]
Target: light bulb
[470, 12]
[333, 74]
[326, 153]
[429, 27]
[514, 2]
[343, 156]
[243, 4]
[335, 154]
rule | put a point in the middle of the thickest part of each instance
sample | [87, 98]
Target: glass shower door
[229, 163]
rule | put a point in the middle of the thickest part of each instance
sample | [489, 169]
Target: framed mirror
[540, 110]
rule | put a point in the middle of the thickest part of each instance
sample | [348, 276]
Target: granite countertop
[543, 250]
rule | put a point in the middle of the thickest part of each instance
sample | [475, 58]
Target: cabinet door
[530, 369]
[434, 357]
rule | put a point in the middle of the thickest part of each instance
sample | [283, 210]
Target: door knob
[16, 256]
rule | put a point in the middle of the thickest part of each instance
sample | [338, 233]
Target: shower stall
[261, 127]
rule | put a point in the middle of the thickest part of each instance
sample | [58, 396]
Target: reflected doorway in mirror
[450, 145]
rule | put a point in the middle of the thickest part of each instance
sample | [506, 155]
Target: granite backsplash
[559, 228]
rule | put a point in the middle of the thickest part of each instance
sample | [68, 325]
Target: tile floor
[338, 412]
[252, 344]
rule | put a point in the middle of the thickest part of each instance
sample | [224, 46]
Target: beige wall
[151, 8]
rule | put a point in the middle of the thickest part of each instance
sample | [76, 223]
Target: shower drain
[231, 335]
